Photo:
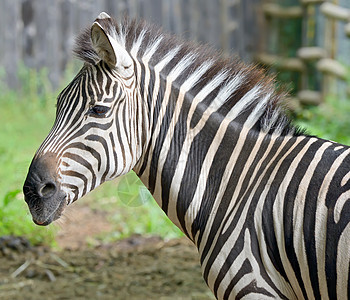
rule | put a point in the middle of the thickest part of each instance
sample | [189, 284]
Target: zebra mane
[265, 101]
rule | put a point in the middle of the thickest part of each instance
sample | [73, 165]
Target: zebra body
[265, 204]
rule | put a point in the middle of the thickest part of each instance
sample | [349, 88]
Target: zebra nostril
[47, 190]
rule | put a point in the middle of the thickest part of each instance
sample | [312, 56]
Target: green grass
[25, 120]
[329, 120]
[131, 209]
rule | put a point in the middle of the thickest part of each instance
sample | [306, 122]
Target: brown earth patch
[135, 268]
[79, 225]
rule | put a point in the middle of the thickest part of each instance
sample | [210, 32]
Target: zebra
[265, 203]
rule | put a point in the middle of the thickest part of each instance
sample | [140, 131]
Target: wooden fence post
[11, 27]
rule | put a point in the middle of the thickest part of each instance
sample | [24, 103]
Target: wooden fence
[304, 41]
[41, 32]
[316, 56]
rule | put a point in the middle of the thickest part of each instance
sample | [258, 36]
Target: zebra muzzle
[42, 192]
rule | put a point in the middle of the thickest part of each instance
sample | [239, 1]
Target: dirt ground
[134, 268]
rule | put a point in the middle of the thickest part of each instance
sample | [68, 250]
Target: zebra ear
[109, 50]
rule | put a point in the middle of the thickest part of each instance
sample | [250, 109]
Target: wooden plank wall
[40, 33]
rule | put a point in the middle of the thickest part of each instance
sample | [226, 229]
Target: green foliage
[132, 209]
[329, 120]
[26, 118]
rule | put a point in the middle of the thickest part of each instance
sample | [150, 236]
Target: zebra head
[95, 136]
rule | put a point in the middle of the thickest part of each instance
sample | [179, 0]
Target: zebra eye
[99, 110]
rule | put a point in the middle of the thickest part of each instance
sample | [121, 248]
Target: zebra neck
[162, 164]
[191, 129]
[186, 157]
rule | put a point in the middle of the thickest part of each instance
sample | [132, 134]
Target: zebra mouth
[53, 215]
[42, 192]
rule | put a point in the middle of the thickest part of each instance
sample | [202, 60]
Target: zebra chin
[42, 192]
[45, 216]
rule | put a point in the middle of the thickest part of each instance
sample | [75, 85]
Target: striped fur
[265, 204]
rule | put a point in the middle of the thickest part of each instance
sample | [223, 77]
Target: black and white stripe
[266, 205]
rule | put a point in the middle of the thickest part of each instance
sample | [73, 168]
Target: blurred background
[304, 43]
